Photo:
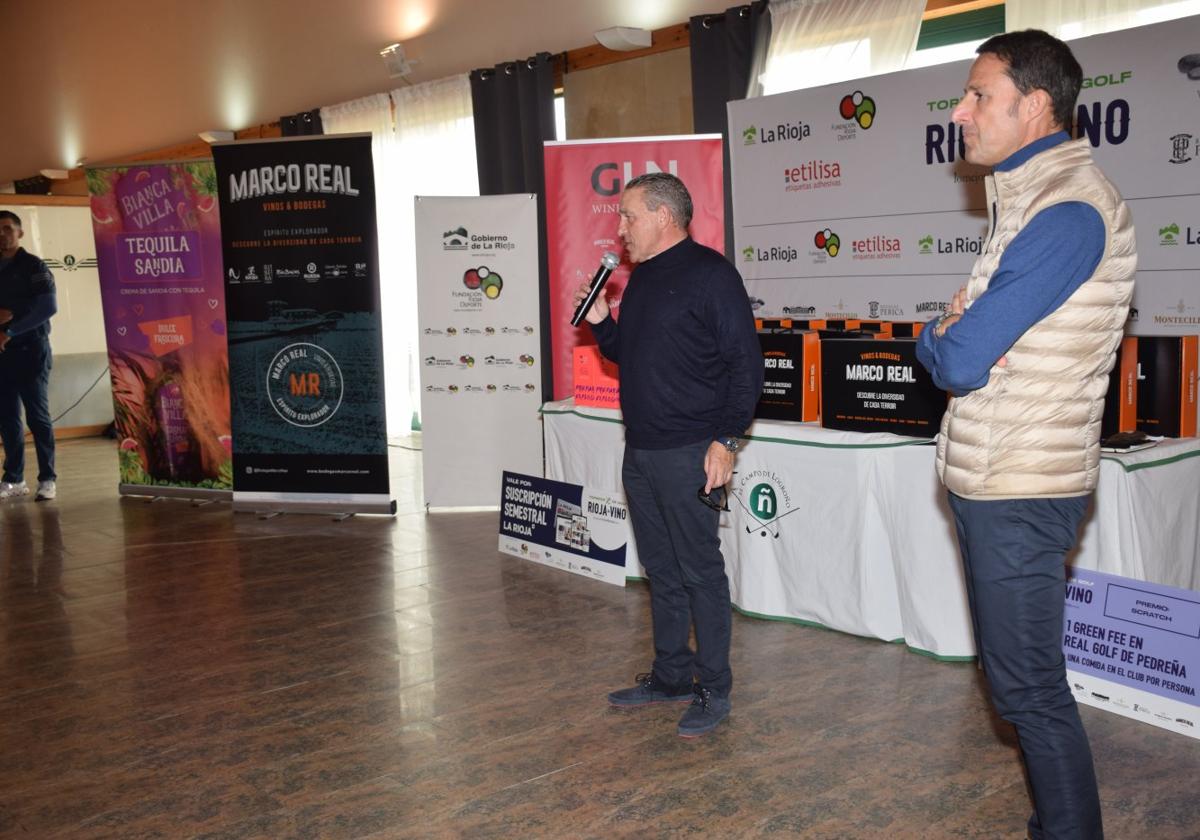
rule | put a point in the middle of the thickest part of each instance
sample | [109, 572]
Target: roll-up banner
[477, 310]
[584, 180]
[853, 200]
[158, 247]
[305, 344]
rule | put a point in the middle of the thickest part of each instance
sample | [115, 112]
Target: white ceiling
[99, 79]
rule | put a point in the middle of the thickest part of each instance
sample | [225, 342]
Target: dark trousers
[1013, 553]
[24, 380]
[677, 542]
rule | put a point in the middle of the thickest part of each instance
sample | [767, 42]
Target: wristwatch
[730, 443]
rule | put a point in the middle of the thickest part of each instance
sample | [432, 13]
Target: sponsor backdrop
[305, 346]
[853, 200]
[584, 179]
[575, 528]
[477, 310]
[1131, 648]
[158, 248]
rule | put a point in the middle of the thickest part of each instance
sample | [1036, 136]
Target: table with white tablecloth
[852, 531]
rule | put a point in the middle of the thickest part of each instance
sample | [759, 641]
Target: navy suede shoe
[707, 710]
[649, 690]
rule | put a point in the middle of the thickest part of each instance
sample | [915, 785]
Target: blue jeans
[24, 380]
[1013, 553]
[677, 542]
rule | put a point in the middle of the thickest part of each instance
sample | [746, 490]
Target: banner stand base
[198, 496]
[340, 509]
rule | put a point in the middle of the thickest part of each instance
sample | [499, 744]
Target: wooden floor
[179, 671]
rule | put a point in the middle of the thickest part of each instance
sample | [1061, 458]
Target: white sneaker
[11, 489]
[45, 492]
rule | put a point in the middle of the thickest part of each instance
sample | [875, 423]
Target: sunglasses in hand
[718, 499]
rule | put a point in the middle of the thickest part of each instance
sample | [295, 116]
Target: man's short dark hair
[662, 188]
[1038, 60]
[8, 214]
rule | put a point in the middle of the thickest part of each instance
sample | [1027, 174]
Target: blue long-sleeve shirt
[27, 290]
[691, 366]
[1044, 264]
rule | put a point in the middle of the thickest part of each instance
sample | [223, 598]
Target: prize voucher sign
[1134, 648]
[305, 345]
[584, 181]
[569, 527]
[158, 248]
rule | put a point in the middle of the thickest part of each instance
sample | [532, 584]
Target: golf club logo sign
[71, 263]
[304, 384]
[765, 500]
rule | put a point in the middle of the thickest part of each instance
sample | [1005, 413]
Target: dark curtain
[302, 124]
[514, 114]
[513, 104]
[722, 49]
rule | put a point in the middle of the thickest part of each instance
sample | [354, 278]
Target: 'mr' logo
[305, 384]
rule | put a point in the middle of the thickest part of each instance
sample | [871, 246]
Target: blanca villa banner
[158, 248]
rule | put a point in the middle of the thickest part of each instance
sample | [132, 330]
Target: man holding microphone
[691, 373]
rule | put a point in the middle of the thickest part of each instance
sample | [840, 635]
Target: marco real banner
[584, 180]
[158, 249]
[305, 344]
[853, 200]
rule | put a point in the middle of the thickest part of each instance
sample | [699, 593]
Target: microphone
[607, 263]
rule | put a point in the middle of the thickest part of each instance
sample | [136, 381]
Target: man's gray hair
[661, 188]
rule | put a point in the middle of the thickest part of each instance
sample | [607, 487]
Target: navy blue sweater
[27, 290]
[691, 366]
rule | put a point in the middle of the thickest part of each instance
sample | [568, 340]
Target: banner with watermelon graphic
[158, 245]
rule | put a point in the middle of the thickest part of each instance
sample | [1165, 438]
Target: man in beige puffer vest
[1026, 348]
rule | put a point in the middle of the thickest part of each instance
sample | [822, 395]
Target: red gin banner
[584, 180]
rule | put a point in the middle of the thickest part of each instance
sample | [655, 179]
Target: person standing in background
[27, 302]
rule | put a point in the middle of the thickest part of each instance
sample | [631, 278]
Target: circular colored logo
[485, 280]
[304, 384]
[859, 108]
[828, 242]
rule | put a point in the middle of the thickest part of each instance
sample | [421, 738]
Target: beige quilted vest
[1034, 429]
